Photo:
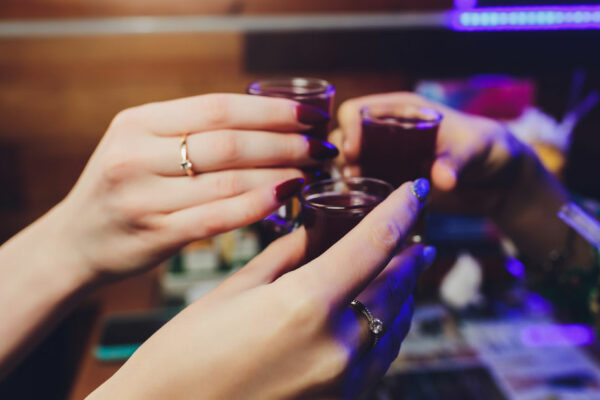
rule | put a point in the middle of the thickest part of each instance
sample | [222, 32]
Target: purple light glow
[515, 267]
[465, 3]
[554, 335]
[527, 18]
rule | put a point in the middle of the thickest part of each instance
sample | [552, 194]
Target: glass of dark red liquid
[310, 91]
[313, 92]
[331, 208]
[398, 142]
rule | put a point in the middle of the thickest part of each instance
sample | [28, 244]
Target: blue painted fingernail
[429, 253]
[420, 189]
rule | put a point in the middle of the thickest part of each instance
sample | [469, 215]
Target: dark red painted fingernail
[310, 115]
[321, 150]
[288, 189]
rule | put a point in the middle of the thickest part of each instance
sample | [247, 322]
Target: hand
[478, 161]
[133, 205]
[276, 330]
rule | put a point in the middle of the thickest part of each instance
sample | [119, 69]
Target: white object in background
[583, 223]
[200, 258]
[460, 287]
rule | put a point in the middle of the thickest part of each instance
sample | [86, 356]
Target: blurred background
[68, 66]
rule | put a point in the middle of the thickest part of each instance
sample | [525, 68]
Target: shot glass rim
[304, 200]
[405, 123]
[326, 89]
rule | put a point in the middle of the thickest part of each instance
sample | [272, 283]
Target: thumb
[444, 173]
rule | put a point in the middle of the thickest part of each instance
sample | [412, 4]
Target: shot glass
[313, 92]
[331, 208]
[310, 91]
[398, 142]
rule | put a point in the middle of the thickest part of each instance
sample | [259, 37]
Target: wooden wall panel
[77, 80]
[95, 8]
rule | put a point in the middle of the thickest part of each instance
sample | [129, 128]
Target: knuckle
[117, 170]
[217, 107]
[123, 208]
[130, 211]
[122, 117]
[386, 235]
[126, 117]
[157, 223]
[293, 147]
[227, 146]
[208, 226]
[188, 232]
[228, 184]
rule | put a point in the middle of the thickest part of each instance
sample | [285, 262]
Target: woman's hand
[134, 205]
[478, 161]
[480, 168]
[277, 330]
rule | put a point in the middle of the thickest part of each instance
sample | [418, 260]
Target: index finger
[350, 121]
[226, 111]
[344, 270]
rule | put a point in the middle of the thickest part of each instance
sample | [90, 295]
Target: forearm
[530, 217]
[40, 280]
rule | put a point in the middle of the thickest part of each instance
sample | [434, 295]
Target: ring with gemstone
[375, 324]
[186, 163]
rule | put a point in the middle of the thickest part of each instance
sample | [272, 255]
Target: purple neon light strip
[465, 3]
[527, 18]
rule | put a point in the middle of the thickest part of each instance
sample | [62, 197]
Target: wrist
[53, 254]
[528, 212]
[41, 283]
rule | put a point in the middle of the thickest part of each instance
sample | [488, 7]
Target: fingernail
[316, 175]
[310, 115]
[288, 189]
[420, 189]
[321, 150]
[429, 253]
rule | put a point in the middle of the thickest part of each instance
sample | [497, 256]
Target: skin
[480, 168]
[277, 328]
[280, 329]
[132, 207]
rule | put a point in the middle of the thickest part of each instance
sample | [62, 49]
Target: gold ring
[186, 163]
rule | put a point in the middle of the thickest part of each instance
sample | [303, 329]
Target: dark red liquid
[325, 223]
[322, 101]
[397, 154]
